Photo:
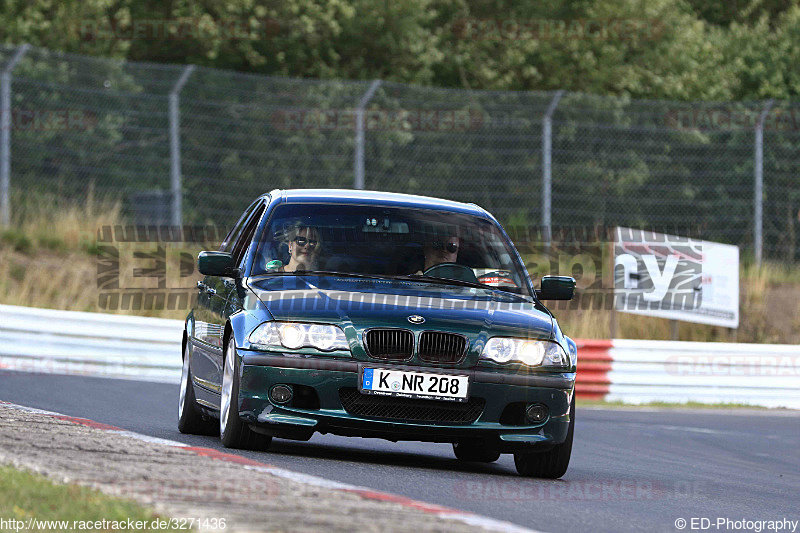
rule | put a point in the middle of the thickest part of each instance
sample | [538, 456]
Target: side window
[231, 239]
[246, 236]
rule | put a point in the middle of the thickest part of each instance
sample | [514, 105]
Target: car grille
[390, 344]
[438, 347]
[407, 409]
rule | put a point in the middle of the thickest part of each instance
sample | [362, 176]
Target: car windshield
[392, 242]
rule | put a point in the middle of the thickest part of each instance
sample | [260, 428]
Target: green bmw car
[380, 315]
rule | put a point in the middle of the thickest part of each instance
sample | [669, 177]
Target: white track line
[441, 512]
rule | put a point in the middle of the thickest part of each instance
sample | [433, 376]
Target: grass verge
[25, 496]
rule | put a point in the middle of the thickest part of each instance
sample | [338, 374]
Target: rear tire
[553, 463]
[190, 419]
[233, 432]
[475, 453]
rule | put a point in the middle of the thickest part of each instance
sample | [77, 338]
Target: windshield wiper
[442, 281]
[426, 279]
[458, 283]
[334, 273]
[399, 277]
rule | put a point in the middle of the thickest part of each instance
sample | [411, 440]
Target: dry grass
[65, 280]
[70, 226]
[769, 312]
[49, 258]
[48, 279]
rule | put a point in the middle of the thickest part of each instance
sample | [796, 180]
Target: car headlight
[295, 335]
[529, 352]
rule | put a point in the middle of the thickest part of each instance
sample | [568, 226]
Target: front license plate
[422, 385]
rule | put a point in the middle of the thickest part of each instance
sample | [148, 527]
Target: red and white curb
[439, 511]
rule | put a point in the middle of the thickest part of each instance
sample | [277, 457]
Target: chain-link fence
[76, 123]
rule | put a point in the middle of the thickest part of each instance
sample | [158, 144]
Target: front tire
[190, 419]
[233, 432]
[553, 463]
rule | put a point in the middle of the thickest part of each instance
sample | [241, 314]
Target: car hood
[357, 304]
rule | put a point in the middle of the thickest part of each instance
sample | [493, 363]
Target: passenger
[304, 245]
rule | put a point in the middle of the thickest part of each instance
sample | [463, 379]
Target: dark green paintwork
[236, 305]
[557, 288]
[215, 263]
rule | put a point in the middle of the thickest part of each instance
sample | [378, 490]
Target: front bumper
[327, 376]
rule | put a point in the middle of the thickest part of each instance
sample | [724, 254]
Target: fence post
[5, 134]
[758, 237]
[175, 146]
[358, 177]
[547, 182]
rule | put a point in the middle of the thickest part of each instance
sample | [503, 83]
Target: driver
[440, 250]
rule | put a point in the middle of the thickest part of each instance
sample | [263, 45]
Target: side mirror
[215, 264]
[556, 288]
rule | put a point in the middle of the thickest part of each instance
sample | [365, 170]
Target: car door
[226, 286]
[236, 293]
[209, 322]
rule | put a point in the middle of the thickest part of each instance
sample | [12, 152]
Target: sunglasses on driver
[302, 241]
[451, 247]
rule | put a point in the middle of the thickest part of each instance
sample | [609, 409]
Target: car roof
[377, 198]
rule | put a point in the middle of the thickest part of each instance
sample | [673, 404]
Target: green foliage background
[702, 50]
[614, 161]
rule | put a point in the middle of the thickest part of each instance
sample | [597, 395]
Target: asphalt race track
[631, 470]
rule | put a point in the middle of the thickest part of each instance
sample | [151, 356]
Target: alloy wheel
[227, 385]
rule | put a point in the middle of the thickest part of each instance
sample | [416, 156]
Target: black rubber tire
[190, 419]
[475, 453]
[553, 463]
[233, 432]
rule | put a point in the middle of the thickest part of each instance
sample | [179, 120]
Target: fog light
[536, 412]
[281, 394]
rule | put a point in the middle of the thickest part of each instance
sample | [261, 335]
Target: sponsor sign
[678, 278]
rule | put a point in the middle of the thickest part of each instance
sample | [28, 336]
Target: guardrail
[758, 374]
[639, 371]
[633, 371]
[70, 342]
